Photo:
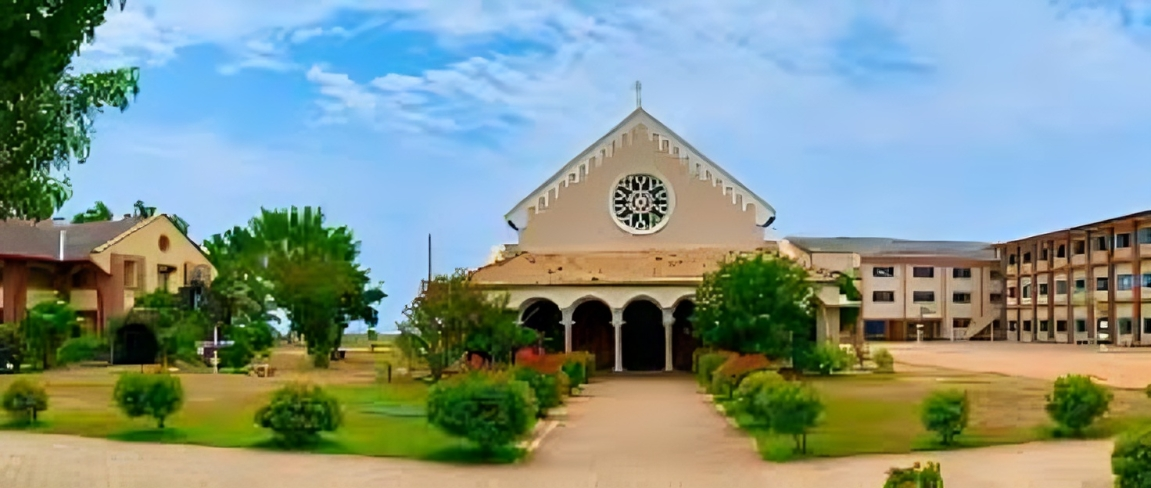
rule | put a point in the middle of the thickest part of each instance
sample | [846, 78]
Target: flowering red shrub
[738, 366]
[546, 364]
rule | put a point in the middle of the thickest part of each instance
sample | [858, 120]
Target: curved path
[630, 432]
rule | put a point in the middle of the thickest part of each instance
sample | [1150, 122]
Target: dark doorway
[683, 339]
[135, 344]
[544, 317]
[592, 332]
[642, 338]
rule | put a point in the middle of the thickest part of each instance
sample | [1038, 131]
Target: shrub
[576, 371]
[728, 375]
[794, 409]
[24, 400]
[945, 412]
[11, 347]
[297, 414]
[1131, 459]
[545, 388]
[237, 355]
[829, 358]
[707, 365]
[489, 410]
[156, 396]
[915, 477]
[79, 349]
[1147, 391]
[750, 388]
[1076, 402]
[884, 361]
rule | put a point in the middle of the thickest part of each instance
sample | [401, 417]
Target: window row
[1123, 282]
[925, 297]
[1078, 247]
[1125, 325]
[918, 272]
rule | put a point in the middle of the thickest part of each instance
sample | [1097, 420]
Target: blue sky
[946, 119]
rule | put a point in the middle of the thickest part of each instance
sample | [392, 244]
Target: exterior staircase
[980, 324]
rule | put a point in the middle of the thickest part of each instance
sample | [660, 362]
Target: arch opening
[544, 317]
[135, 344]
[642, 338]
[683, 339]
[592, 332]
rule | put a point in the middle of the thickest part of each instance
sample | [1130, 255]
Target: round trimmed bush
[487, 409]
[153, 395]
[707, 364]
[829, 358]
[545, 387]
[79, 349]
[945, 412]
[1076, 402]
[298, 413]
[576, 371]
[1131, 459]
[24, 400]
[884, 361]
[750, 388]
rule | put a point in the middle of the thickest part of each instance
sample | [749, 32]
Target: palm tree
[98, 213]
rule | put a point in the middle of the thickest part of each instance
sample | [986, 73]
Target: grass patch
[879, 414]
[219, 410]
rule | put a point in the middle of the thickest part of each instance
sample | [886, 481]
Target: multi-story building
[98, 267]
[1090, 283]
[914, 289]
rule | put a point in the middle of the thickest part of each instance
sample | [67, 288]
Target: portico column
[567, 323]
[668, 322]
[617, 324]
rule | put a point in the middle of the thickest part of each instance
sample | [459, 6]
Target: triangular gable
[698, 164]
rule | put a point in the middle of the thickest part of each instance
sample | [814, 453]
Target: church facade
[612, 247]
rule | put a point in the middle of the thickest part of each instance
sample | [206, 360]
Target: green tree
[298, 413]
[46, 327]
[793, 409]
[46, 110]
[489, 410]
[24, 400]
[1131, 459]
[1076, 402]
[756, 305]
[155, 395]
[945, 412]
[98, 213]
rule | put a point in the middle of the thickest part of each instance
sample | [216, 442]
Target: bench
[382, 346]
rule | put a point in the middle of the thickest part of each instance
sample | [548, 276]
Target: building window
[1043, 325]
[960, 297]
[1080, 284]
[1147, 325]
[1101, 243]
[1145, 236]
[1011, 260]
[1060, 326]
[1080, 325]
[883, 272]
[1026, 257]
[1122, 241]
[1043, 289]
[1043, 254]
[1061, 251]
[1011, 292]
[1026, 326]
[996, 274]
[1124, 282]
[1012, 325]
[131, 274]
[996, 298]
[1061, 287]
[961, 273]
[1146, 280]
[1100, 284]
[923, 296]
[1026, 291]
[1080, 247]
[923, 272]
[1124, 325]
[883, 296]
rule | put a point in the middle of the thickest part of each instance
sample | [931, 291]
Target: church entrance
[642, 337]
[683, 340]
[544, 316]
[135, 344]
[592, 332]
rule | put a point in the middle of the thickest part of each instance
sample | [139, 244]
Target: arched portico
[683, 343]
[592, 331]
[545, 317]
[642, 338]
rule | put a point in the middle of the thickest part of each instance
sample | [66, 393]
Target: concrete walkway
[631, 431]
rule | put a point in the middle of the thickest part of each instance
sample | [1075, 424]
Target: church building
[612, 247]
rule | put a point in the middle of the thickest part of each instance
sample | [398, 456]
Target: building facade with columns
[612, 247]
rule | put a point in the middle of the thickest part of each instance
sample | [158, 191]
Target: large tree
[758, 304]
[308, 269]
[98, 213]
[46, 109]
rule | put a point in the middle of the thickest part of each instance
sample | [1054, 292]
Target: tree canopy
[756, 304]
[47, 111]
[98, 213]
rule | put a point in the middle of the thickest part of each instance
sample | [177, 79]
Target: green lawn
[380, 419]
[879, 414]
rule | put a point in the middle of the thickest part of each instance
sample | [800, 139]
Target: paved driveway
[631, 432]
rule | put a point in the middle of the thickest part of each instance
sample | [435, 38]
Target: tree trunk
[160, 421]
[804, 448]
